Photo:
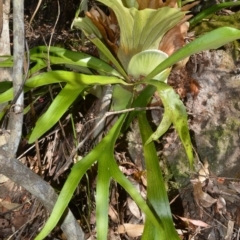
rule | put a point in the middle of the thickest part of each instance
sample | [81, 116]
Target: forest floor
[200, 212]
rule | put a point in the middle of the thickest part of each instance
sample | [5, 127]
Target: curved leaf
[175, 111]
[78, 170]
[162, 128]
[211, 40]
[76, 83]
[72, 78]
[141, 64]
[103, 153]
[91, 31]
[76, 174]
[141, 101]
[99, 44]
[5, 85]
[120, 97]
[62, 56]
[8, 95]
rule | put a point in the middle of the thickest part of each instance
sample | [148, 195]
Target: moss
[216, 21]
[223, 138]
[178, 166]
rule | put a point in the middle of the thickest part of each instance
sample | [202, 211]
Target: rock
[214, 114]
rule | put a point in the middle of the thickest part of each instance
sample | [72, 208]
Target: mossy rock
[217, 21]
[215, 122]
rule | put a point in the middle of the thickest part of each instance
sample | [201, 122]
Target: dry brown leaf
[235, 186]
[107, 25]
[174, 39]
[3, 178]
[169, 3]
[111, 235]
[10, 206]
[144, 180]
[220, 180]
[221, 205]
[229, 230]
[201, 198]
[238, 216]
[127, 171]
[132, 230]
[113, 214]
[18, 220]
[194, 87]
[189, 6]
[133, 208]
[154, 4]
[198, 223]
[93, 217]
[203, 173]
[4, 137]
[140, 176]
[7, 199]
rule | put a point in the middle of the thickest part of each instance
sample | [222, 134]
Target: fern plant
[134, 53]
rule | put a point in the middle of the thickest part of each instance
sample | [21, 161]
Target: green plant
[204, 14]
[133, 60]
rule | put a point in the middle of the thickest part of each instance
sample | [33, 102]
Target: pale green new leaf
[141, 30]
[211, 40]
[145, 62]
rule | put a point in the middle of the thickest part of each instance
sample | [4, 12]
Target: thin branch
[16, 116]
[52, 32]
[35, 12]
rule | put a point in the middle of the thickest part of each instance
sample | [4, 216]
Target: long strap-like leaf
[156, 192]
